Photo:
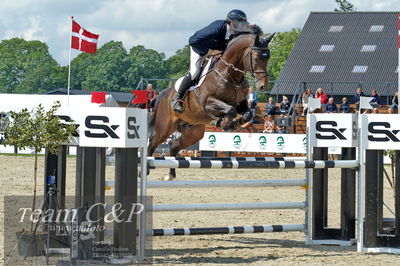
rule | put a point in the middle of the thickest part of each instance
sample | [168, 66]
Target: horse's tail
[152, 116]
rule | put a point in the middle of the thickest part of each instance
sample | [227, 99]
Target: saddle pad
[202, 77]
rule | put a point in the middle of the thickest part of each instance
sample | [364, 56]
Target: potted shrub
[37, 130]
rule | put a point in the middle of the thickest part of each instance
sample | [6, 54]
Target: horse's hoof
[169, 177]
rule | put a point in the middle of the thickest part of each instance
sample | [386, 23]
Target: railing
[385, 89]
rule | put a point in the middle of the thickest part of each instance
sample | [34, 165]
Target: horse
[218, 100]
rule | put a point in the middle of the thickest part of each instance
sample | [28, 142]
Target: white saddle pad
[202, 75]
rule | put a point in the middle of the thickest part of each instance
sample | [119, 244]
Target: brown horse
[221, 96]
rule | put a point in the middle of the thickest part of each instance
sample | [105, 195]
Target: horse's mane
[249, 30]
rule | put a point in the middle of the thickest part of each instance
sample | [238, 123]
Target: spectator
[284, 106]
[280, 126]
[269, 124]
[251, 98]
[376, 101]
[375, 110]
[307, 94]
[323, 98]
[252, 103]
[331, 107]
[359, 93]
[344, 106]
[270, 108]
[395, 103]
[151, 98]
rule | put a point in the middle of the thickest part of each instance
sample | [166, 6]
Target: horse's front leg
[244, 109]
[225, 112]
[219, 108]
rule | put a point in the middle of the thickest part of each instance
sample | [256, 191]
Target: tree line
[28, 67]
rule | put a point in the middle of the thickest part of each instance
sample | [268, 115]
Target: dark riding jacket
[211, 37]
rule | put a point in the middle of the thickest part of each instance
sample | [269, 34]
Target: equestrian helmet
[236, 14]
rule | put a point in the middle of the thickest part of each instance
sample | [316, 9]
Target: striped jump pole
[249, 159]
[226, 230]
[222, 183]
[233, 164]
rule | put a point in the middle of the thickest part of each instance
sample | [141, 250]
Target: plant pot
[31, 244]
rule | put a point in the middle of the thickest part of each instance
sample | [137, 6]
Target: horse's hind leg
[190, 134]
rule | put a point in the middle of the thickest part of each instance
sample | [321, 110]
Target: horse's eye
[265, 54]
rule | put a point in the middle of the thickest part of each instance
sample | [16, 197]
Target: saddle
[208, 63]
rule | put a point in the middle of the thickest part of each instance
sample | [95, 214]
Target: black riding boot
[185, 84]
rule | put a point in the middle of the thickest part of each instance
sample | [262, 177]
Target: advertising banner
[254, 142]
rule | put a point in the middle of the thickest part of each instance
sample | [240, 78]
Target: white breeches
[195, 64]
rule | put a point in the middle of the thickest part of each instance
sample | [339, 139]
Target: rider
[215, 37]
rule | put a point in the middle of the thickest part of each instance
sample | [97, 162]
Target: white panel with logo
[113, 127]
[332, 130]
[380, 132]
[70, 115]
[253, 142]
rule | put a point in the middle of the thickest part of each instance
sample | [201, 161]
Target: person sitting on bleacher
[304, 99]
[321, 95]
[280, 125]
[269, 124]
[359, 93]
[344, 106]
[395, 103]
[376, 101]
[270, 108]
[284, 106]
[331, 107]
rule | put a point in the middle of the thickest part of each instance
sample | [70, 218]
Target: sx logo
[133, 129]
[335, 133]
[373, 127]
[107, 130]
[68, 120]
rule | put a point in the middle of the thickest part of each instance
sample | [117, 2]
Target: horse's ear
[269, 38]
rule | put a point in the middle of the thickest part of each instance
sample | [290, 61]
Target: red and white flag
[83, 40]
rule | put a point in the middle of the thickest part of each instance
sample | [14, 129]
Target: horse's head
[248, 52]
[257, 58]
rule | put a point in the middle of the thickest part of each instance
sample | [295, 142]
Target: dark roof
[120, 97]
[381, 63]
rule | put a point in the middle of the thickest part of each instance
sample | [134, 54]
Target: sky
[162, 25]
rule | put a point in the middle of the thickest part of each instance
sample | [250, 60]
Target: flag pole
[69, 61]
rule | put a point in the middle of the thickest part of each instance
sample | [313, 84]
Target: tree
[344, 6]
[178, 64]
[28, 67]
[104, 70]
[107, 71]
[36, 130]
[144, 63]
[280, 47]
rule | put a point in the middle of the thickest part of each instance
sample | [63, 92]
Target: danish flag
[83, 40]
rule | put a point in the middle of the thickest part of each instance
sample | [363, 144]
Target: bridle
[244, 72]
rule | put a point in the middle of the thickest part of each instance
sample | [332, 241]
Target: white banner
[254, 142]
[332, 130]
[380, 131]
[113, 127]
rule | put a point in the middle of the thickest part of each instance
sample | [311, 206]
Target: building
[340, 51]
